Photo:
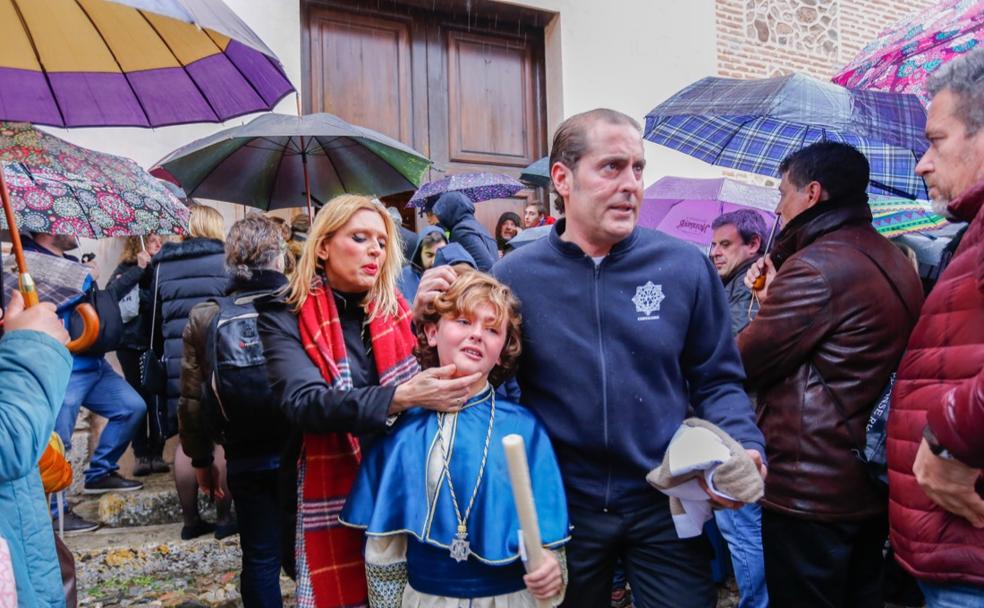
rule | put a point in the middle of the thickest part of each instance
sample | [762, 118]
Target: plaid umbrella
[537, 174]
[61, 282]
[144, 63]
[265, 162]
[903, 56]
[62, 188]
[476, 186]
[752, 125]
[893, 217]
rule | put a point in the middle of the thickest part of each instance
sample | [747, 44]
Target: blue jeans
[106, 393]
[952, 596]
[254, 493]
[742, 529]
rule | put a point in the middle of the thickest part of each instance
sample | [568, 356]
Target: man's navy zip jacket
[615, 356]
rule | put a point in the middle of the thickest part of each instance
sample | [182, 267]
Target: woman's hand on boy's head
[547, 581]
[433, 283]
[434, 389]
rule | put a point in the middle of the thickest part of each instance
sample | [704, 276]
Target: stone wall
[763, 38]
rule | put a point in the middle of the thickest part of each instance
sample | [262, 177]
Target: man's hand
[210, 481]
[40, 318]
[546, 581]
[434, 389]
[950, 484]
[143, 258]
[433, 283]
[763, 265]
[724, 503]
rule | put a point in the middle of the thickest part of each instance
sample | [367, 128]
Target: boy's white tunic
[402, 496]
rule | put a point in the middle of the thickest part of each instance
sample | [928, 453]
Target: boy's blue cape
[390, 492]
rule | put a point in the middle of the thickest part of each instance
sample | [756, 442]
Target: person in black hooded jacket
[185, 274]
[135, 305]
[456, 212]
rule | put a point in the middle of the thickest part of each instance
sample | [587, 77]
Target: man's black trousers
[663, 570]
[812, 564]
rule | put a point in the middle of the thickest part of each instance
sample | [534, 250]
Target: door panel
[360, 71]
[490, 105]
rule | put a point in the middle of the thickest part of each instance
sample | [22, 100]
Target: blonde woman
[339, 351]
[135, 306]
[184, 274]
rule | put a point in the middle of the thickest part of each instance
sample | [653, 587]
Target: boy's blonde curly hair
[469, 291]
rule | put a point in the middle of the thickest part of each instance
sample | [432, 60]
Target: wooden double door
[465, 90]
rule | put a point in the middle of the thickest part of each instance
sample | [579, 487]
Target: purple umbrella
[476, 186]
[685, 207]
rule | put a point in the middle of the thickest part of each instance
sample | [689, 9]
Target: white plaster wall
[625, 54]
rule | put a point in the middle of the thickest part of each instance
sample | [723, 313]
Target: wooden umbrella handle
[90, 329]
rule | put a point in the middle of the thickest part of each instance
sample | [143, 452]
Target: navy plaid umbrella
[752, 125]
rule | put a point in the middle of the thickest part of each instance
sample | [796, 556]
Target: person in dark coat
[344, 274]
[737, 241]
[508, 226]
[253, 436]
[456, 212]
[408, 238]
[836, 310]
[429, 242]
[185, 274]
[135, 309]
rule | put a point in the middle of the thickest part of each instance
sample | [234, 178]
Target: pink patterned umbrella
[906, 54]
[61, 188]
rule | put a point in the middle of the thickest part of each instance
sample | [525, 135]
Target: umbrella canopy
[145, 63]
[537, 174]
[894, 217]
[478, 187]
[71, 204]
[685, 207]
[62, 188]
[529, 235]
[752, 125]
[904, 55]
[263, 163]
[60, 281]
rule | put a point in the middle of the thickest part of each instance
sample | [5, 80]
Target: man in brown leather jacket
[838, 304]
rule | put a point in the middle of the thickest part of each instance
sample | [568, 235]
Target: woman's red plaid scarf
[332, 552]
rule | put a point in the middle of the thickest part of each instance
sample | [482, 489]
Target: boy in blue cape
[434, 494]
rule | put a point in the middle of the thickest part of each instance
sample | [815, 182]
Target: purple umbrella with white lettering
[685, 207]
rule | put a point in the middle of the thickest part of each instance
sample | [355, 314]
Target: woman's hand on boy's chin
[434, 389]
[546, 581]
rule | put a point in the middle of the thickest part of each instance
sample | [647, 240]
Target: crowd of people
[341, 390]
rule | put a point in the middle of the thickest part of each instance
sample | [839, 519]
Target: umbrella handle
[90, 329]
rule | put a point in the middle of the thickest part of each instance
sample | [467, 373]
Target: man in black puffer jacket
[456, 212]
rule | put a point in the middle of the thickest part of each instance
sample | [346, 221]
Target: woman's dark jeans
[254, 493]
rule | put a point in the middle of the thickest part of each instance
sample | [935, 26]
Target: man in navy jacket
[626, 332]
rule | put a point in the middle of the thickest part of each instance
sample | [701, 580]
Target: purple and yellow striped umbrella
[144, 63]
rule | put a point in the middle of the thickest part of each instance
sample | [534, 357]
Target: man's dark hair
[839, 168]
[433, 237]
[748, 223]
[570, 141]
[964, 77]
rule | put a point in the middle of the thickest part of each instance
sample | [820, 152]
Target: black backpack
[110, 322]
[235, 369]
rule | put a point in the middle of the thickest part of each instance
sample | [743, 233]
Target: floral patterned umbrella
[476, 186]
[906, 54]
[61, 188]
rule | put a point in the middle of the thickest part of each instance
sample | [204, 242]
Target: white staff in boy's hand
[519, 477]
